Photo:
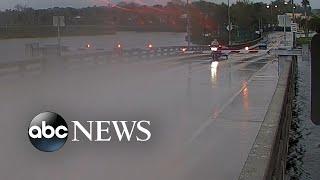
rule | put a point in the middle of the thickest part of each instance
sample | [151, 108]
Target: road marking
[204, 125]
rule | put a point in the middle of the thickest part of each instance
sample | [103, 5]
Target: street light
[229, 24]
[188, 25]
[270, 7]
[293, 9]
[293, 20]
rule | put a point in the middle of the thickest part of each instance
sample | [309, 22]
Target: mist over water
[304, 151]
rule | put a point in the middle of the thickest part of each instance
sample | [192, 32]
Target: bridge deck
[205, 116]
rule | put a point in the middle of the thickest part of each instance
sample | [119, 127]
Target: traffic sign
[294, 27]
[58, 21]
[284, 21]
[229, 28]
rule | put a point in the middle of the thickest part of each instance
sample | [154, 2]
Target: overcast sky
[9, 4]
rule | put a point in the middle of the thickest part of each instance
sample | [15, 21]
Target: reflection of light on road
[214, 67]
[245, 95]
[245, 103]
[215, 112]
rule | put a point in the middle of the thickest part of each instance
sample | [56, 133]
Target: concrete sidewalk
[230, 133]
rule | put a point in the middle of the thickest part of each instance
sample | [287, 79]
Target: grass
[303, 40]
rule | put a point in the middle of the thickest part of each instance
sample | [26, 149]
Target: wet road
[205, 116]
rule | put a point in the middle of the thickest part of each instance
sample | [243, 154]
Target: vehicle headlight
[214, 49]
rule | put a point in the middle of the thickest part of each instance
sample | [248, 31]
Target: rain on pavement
[205, 116]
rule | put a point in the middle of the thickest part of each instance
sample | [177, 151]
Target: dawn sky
[9, 4]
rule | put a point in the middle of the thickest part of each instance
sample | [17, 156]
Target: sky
[9, 4]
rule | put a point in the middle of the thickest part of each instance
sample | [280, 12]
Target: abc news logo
[48, 131]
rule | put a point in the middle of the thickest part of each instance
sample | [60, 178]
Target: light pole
[285, 23]
[271, 13]
[293, 9]
[229, 24]
[188, 25]
[269, 7]
[293, 20]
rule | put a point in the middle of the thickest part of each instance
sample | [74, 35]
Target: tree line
[209, 20]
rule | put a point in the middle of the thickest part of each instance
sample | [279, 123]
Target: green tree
[314, 22]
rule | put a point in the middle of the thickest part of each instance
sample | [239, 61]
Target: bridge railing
[38, 57]
[34, 50]
[268, 155]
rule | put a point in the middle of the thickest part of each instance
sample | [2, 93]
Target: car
[262, 46]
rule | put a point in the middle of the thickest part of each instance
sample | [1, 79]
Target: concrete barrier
[267, 157]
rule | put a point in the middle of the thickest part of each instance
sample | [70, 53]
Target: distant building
[297, 15]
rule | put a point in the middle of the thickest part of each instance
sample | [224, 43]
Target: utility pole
[293, 9]
[59, 22]
[229, 24]
[59, 37]
[188, 25]
[293, 20]
[272, 19]
[284, 30]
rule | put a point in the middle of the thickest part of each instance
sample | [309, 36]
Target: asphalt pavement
[205, 116]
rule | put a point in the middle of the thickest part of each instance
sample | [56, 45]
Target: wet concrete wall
[267, 157]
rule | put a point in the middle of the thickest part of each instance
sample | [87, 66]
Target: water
[304, 151]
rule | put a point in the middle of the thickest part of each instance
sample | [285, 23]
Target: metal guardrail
[34, 50]
[290, 52]
[39, 57]
[164, 51]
